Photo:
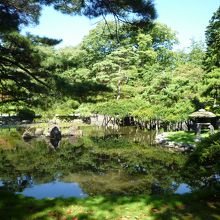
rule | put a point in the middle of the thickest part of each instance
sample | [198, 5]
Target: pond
[101, 162]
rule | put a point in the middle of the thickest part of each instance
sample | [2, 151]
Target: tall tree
[21, 70]
[22, 74]
[139, 12]
[212, 59]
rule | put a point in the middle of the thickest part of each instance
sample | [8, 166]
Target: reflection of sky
[54, 190]
[1, 184]
[183, 188]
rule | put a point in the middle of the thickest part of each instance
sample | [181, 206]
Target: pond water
[101, 162]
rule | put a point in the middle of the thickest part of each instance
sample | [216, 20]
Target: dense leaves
[204, 164]
[213, 42]
[22, 74]
[138, 11]
[116, 70]
[23, 71]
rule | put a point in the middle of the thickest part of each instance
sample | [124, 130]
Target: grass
[189, 206]
[9, 139]
[184, 137]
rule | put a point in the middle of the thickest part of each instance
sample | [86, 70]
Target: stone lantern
[203, 118]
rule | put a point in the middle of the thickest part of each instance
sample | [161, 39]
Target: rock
[55, 136]
[197, 139]
[55, 133]
[171, 144]
[180, 146]
[25, 121]
[78, 121]
[27, 135]
[72, 130]
[54, 121]
[78, 133]
[39, 131]
[46, 133]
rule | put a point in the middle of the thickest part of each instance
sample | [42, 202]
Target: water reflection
[102, 162]
[54, 190]
[183, 188]
[55, 142]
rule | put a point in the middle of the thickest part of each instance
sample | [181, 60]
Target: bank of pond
[102, 174]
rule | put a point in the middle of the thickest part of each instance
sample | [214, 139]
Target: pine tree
[212, 59]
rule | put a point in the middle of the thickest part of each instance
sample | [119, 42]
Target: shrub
[203, 166]
[26, 114]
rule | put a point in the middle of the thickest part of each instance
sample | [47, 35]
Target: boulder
[55, 133]
[39, 131]
[27, 135]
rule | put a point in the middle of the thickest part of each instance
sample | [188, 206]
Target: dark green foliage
[119, 108]
[23, 72]
[44, 41]
[115, 61]
[200, 205]
[208, 152]
[22, 75]
[139, 66]
[212, 88]
[26, 114]
[16, 13]
[204, 162]
[212, 59]
[138, 12]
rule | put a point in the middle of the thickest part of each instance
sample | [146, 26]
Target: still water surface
[101, 162]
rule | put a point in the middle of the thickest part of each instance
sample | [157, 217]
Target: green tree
[212, 59]
[117, 68]
[139, 12]
[22, 73]
[212, 87]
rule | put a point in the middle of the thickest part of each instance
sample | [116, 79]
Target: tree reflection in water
[101, 162]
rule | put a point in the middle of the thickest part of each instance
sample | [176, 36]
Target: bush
[208, 151]
[203, 166]
[26, 114]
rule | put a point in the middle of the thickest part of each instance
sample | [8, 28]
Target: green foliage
[138, 12]
[24, 72]
[85, 110]
[119, 108]
[26, 114]
[184, 136]
[212, 59]
[134, 64]
[212, 87]
[61, 107]
[204, 162]
[208, 152]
